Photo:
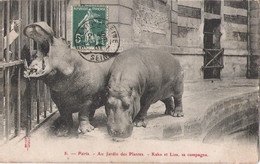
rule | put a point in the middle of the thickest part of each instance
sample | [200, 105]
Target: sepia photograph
[129, 81]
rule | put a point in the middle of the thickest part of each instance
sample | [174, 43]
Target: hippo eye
[126, 103]
[125, 106]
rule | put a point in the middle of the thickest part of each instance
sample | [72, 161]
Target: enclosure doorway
[213, 58]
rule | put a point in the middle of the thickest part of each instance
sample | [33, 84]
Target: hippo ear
[39, 32]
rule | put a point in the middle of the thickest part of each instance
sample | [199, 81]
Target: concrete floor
[161, 136]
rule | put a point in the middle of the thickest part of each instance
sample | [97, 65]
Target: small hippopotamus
[140, 77]
[76, 85]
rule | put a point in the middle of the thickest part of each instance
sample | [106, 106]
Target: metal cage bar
[38, 97]
[45, 87]
[65, 20]
[7, 76]
[51, 24]
[18, 115]
[2, 76]
[53, 12]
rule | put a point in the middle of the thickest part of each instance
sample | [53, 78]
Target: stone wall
[254, 45]
[234, 66]
[234, 27]
[151, 23]
[145, 23]
[190, 28]
[178, 25]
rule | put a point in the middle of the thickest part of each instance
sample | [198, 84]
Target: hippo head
[50, 52]
[121, 108]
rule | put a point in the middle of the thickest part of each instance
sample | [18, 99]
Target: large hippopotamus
[140, 77]
[76, 85]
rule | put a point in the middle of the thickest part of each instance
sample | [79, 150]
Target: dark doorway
[213, 59]
[212, 6]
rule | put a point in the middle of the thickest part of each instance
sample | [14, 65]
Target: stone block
[126, 3]
[254, 29]
[234, 67]
[195, 4]
[234, 46]
[174, 5]
[254, 4]
[254, 21]
[255, 45]
[172, 131]
[254, 38]
[174, 16]
[254, 14]
[174, 29]
[190, 12]
[255, 52]
[125, 33]
[192, 128]
[99, 2]
[174, 39]
[237, 100]
[125, 15]
[113, 12]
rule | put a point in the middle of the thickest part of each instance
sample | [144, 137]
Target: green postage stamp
[89, 28]
[92, 35]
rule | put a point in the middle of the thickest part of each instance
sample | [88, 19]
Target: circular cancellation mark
[96, 40]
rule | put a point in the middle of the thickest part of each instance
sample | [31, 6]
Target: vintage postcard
[129, 81]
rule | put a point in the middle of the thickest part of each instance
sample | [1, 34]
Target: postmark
[93, 37]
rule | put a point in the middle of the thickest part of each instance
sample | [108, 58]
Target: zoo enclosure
[24, 104]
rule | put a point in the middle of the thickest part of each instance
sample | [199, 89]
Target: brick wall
[222, 119]
[229, 116]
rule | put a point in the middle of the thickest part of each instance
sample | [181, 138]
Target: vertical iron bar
[57, 19]
[7, 31]
[3, 76]
[50, 101]
[60, 18]
[7, 75]
[65, 19]
[51, 13]
[18, 116]
[38, 11]
[45, 11]
[44, 85]
[45, 100]
[51, 24]
[38, 82]
[2, 30]
[29, 95]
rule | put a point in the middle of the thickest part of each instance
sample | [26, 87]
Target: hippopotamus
[140, 77]
[76, 85]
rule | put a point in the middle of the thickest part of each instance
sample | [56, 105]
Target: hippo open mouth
[40, 65]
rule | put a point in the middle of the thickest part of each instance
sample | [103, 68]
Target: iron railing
[24, 104]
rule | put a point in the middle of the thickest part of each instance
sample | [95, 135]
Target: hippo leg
[169, 105]
[84, 124]
[140, 121]
[178, 112]
[178, 92]
[64, 125]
